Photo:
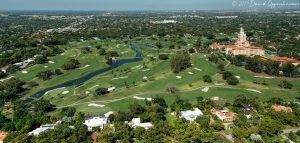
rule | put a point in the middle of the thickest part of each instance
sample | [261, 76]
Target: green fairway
[190, 84]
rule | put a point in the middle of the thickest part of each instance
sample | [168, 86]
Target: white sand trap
[65, 92]
[124, 52]
[54, 90]
[178, 77]
[6, 78]
[205, 89]
[142, 98]
[24, 72]
[192, 64]
[254, 90]
[215, 98]
[95, 105]
[108, 113]
[136, 67]
[111, 89]
[51, 62]
[264, 76]
[62, 54]
[145, 70]
[190, 73]
[204, 55]
[206, 59]
[87, 92]
[123, 77]
[84, 67]
[197, 69]
[218, 84]
[93, 87]
[238, 77]
[45, 66]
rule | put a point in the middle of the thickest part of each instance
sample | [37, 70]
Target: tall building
[242, 39]
[241, 47]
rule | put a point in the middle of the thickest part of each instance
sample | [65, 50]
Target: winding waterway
[83, 79]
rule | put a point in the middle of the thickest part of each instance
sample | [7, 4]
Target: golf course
[142, 79]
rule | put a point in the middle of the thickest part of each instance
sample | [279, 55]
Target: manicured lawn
[190, 85]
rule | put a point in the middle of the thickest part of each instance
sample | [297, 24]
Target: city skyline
[147, 4]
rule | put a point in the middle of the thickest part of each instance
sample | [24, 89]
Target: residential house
[190, 115]
[136, 122]
[96, 123]
[223, 115]
[41, 129]
[281, 108]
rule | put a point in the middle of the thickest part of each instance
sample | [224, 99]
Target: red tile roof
[3, 135]
[281, 108]
[215, 45]
[281, 59]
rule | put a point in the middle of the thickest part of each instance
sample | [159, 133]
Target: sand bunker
[54, 90]
[238, 77]
[218, 84]
[65, 92]
[205, 89]
[215, 98]
[254, 90]
[108, 113]
[24, 72]
[95, 105]
[93, 87]
[111, 88]
[62, 54]
[178, 77]
[87, 92]
[51, 62]
[142, 98]
[190, 73]
[45, 66]
[6, 78]
[120, 78]
[145, 70]
[264, 77]
[197, 69]
[136, 67]
[84, 67]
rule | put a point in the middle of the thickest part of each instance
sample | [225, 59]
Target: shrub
[45, 75]
[72, 64]
[232, 80]
[101, 91]
[163, 56]
[207, 78]
[40, 60]
[226, 75]
[285, 84]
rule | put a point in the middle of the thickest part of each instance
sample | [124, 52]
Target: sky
[139, 4]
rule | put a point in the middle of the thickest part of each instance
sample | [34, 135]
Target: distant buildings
[96, 123]
[136, 122]
[241, 47]
[3, 136]
[282, 60]
[190, 115]
[223, 115]
[41, 129]
[281, 108]
[164, 22]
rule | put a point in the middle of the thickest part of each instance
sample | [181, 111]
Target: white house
[190, 115]
[95, 122]
[41, 129]
[136, 122]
